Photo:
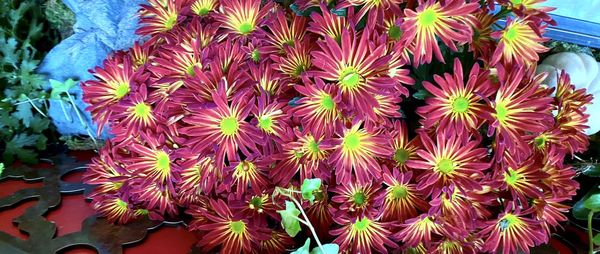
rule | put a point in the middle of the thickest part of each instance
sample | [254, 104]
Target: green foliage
[23, 42]
[592, 202]
[330, 248]
[289, 219]
[597, 239]
[60, 17]
[1, 168]
[308, 188]
[304, 249]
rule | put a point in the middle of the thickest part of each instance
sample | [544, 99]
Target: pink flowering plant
[375, 125]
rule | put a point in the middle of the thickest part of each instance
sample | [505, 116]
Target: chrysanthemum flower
[296, 59]
[105, 173]
[271, 118]
[401, 200]
[280, 242]
[198, 176]
[114, 208]
[327, 24]
[225, 126]
[420, 229]
[524, 181]
[512, 232]
[456, 106]
[320, 108]
[520, 42]
[157, 197]
[357, 149]
[140, 53]
[307, 154]
[177, 61]
[154, 160]
[136, 114]
[242, 18]
[404, 149]
[355, 198]
[363, 234]
[249, 174]
[483, 44]
[559, 178]
[520, 106]
[319, 213]
[533, 10]
[203, 7]
[265, 78]
[357, 66]
[449, 159]
[450, 22]
[387, 108]
[115, 80]
[550, 210]
[281, 34]
[228, 230]
[256, 205]
[376, 7]
[400, 75]
[159, 16]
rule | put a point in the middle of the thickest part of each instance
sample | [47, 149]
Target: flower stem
[309, 225]
[590, 234]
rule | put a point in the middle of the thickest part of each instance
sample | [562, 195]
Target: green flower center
[508, 221]
[327, 103]
[359, 198]
[245, 28]
[121, 204]
[255, 55]
[351, 141]
[313, 147]
[401, 155]
[445, 166]
[511, 34]
[121, 90]
[460, 105]
[399, 192]
[350, 79]
[540, 141]
[141, 110]
[266, 123]
[428, 17]
[394, 32]
[170, 22]
[362, 224]
[512, 177]
[237, 227]
[501, 112]
[516, 2]
[256, 203]
[229, 126]
[201, 11]
[190, 70]
[163, 162]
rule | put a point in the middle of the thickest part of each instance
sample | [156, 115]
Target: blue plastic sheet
[102, 26]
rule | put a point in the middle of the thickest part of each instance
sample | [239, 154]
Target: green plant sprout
[293, 208]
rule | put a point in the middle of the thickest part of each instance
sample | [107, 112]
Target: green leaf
[597, 239]
[309, 186]
[592, 202]
[23, 112]
[330, 248]
[16, 148]
[1, 168]
[421, 94]
[304, 249]
[39, 124]
[58, 88]
[289, 220]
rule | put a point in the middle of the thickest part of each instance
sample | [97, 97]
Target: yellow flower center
[121, 204]
[460, 105]
[445, 166]
[237, 227]
[399, 192]
[512, 177]
[428, 17]
[351, 141]
[327, 102]
[171, 21]
[540, 141]
[516, 2]
[229, 126]
[349, 78]
[245, 28]
[142, 110]
[362, 224]
[121, 90]
[313, 147]
[401, 155]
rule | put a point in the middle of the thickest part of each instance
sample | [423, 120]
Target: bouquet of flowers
[379, 125]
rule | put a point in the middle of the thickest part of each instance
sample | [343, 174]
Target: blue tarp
[102, 26]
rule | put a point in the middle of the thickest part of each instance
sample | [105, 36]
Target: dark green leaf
[39, 124]
[421, 94]
[24, 113]
[330, 248]
[289, 219]
[580, 212]
[304, 249]
[597, 239]
[309, 186]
